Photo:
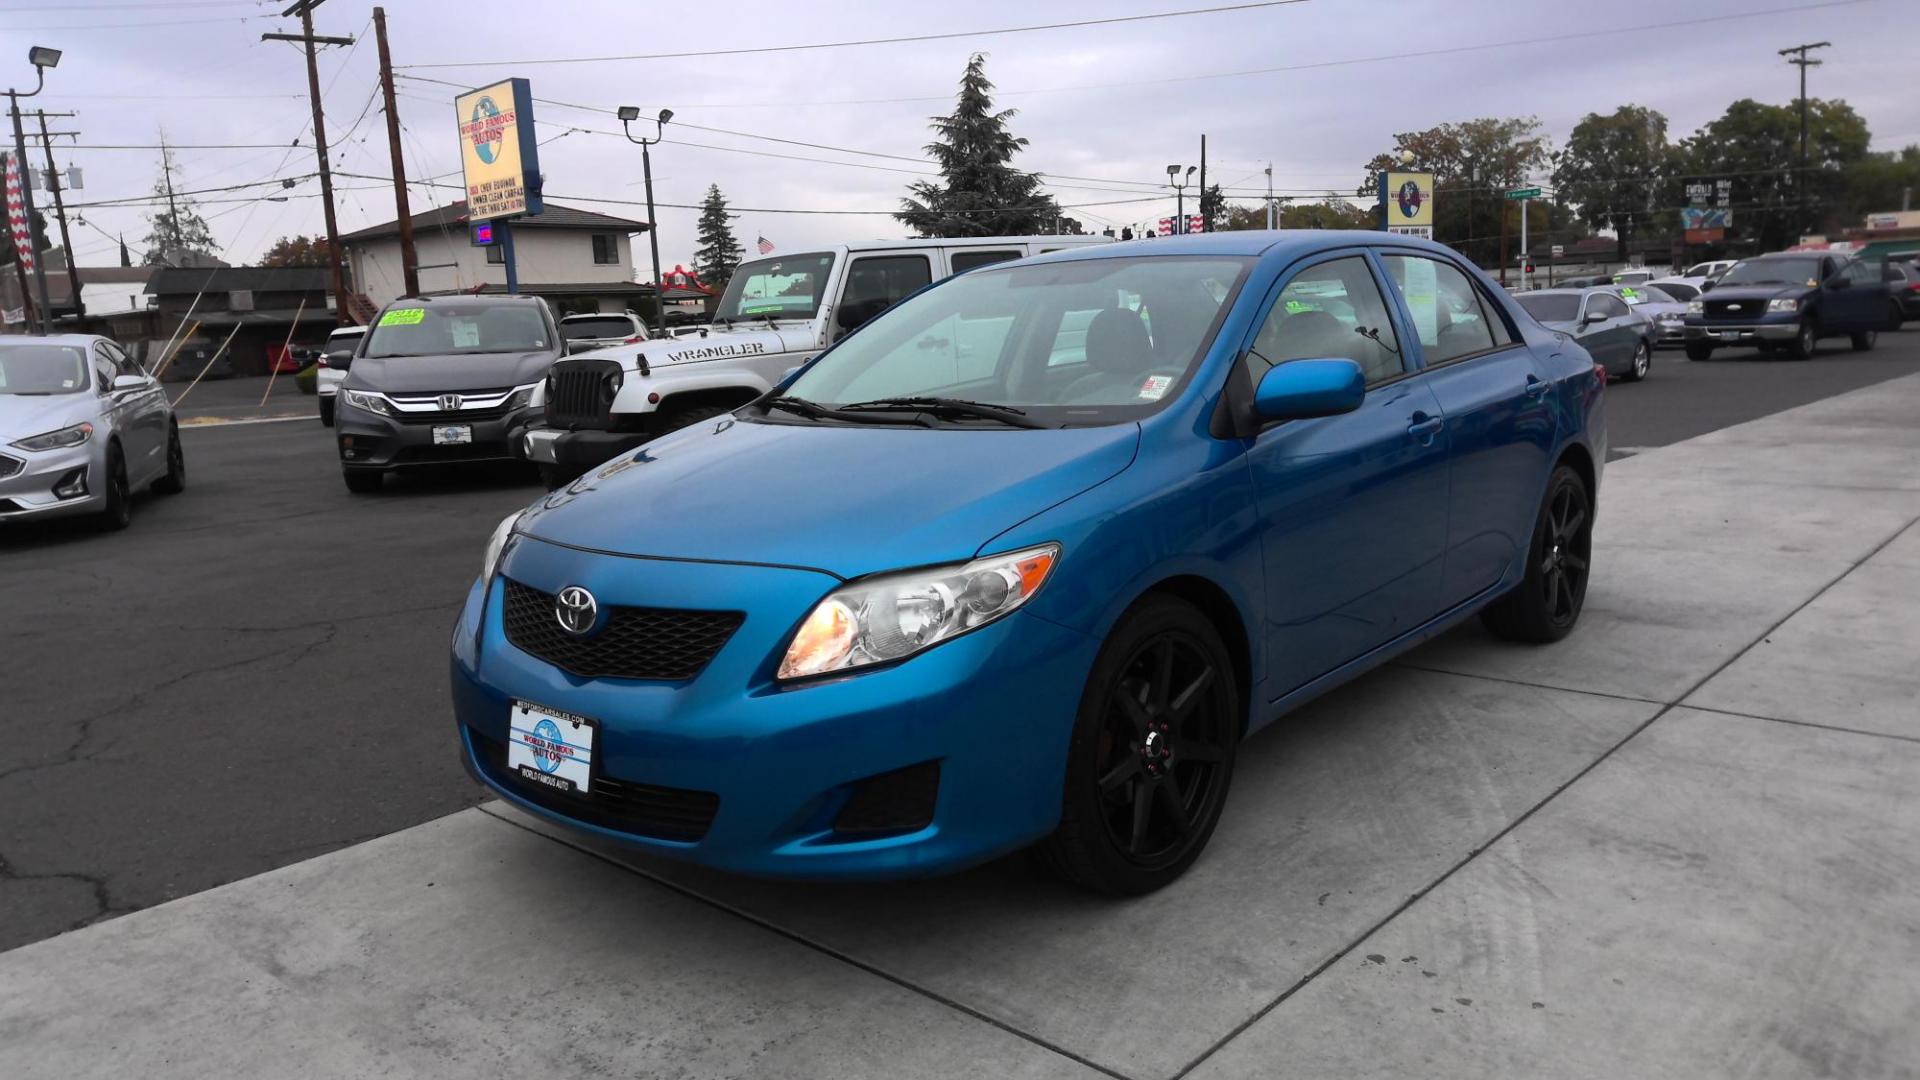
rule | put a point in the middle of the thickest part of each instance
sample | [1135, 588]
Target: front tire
[1642, 363]
[326, 411]
[1699, 351]
[363, 481]
[117, 512]
[1865, 339]
[1805, 341]
[1548, 601]
[175, 481]
[1151, 754]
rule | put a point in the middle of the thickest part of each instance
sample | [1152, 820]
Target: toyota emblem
[576, 610]
[451, 403]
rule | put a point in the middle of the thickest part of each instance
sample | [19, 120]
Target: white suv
[335, 356]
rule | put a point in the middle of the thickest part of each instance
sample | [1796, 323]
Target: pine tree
[980, 192]
[719, 252]
[175, 226]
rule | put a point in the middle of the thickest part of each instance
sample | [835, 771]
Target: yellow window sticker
[410, 316]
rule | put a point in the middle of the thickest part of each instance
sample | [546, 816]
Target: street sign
[1524, 193]
[1559, 250]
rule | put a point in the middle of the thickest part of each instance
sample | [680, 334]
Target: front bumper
[370, 441]
[578, 450]
[1669, 333]
[994, 709]
[1782, 328]
[27, 490]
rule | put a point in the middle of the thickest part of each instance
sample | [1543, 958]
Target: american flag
[17, 214]
[766, 246]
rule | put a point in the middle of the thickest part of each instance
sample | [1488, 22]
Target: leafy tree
[174, 225]
[980, 193]
[296, 251]
[1325, 214]
[1616, 170]
[1876, 182]
[719, 252]
[1471, 162]
[1757, 146]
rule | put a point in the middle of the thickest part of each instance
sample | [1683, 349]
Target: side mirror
[131, 382]
[1298, 389]
[339, 361]
[1707, 285]
[1593, 316]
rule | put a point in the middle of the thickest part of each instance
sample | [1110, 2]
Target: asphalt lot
[253, 674]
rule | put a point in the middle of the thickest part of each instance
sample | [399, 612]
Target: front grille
[1735, 309]
[490, 404]
[10, 465]
[634, 643]
[663, 813]
[580, 393]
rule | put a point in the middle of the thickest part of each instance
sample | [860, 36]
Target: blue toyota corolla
[1024, 559]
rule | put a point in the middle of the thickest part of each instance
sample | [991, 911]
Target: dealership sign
[1408, 200]
[498, 154]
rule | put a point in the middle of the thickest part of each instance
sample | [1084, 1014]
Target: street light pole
[628, 114]
[1269, 195]
[1179, 184]
[41, 58]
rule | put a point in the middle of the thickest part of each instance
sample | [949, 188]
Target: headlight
[1783, 305]
[497, 544]
[1696, 307]
[371, 402]
[893, 616]
[56, 440]
[522, 397]
[1669, 316]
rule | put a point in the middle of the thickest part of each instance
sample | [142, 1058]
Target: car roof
[1577, 290]
[1288, 244]
[468, 298]
[52, 339]
[597, 315]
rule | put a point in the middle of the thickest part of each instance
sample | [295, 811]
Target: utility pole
[60, 212]
[409, 261]
[1206, 218]
[26, 198]
[1269, 196]
[304, 9]
[1802, 62]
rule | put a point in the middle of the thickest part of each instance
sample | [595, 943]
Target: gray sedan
[82, 428]
[1618, 337]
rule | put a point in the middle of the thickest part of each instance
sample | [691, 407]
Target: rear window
[1551, 307]
[604, 326]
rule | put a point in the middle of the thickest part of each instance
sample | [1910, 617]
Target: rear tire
[1805, 342]
[117, 512]
[1151, 753]
[175, 481]
[1547, 603]
[326, 411]
[363, 481]
[1865, 339]
[1698, 351]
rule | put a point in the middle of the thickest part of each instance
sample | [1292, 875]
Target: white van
[776, 313]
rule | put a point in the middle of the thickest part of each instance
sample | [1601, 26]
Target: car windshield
[790, 287]
[441, 329]
[1551, 307]
[1805, 271]
[1680, 291]
[1085, 341]
[42, 369]
[600, 326]
[1636, 295]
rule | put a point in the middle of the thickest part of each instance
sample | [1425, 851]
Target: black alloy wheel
[1152, 753]
[117, 512]
[1548, 601]
[175, 481]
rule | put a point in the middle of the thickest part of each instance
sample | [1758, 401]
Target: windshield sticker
[466, 333]
[1812, 283]
[1630, 296]
[1155, 387]
[410, 316]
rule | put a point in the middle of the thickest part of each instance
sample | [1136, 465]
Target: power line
[133, 25]
[867, 41]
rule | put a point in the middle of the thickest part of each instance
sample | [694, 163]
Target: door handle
[1535, 387]
[1424, 426]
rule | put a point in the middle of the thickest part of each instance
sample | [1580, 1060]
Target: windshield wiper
[979, 410]
[813, 410]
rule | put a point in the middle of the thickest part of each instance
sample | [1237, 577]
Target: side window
[1330, 310]
[1609, 305]
[876, 283]
[1828, 268]
[967, 260]
[1070, 341]
[104, 369]
[1859, 273]
[121, 361]
[1446, 308]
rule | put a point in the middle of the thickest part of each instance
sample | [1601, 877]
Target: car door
[875, 283]
[1613, 338]
[1500, 428]
[1352, 508]
[1856, 298]
[141, 416]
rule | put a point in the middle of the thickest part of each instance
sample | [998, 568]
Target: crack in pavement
[102, 900]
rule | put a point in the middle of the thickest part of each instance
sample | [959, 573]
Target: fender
[636, 393]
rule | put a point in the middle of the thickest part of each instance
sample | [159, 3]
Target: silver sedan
[82, 427]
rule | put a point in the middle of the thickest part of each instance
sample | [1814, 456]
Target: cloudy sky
[1314, 87]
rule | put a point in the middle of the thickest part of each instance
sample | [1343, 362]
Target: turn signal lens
[893, 616]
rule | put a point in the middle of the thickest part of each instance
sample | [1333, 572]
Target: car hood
[1655, 308]
[668, 352]
[849, 500]
[1753, 292]
[23, 416]
[459, 371]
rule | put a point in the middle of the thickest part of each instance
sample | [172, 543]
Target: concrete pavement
[1681, 843]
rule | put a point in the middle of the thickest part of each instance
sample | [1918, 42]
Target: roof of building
[575, 288]
[169, 280]
[454, 215]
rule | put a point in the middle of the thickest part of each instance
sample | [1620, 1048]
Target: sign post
[1522, 196]
[499, 159]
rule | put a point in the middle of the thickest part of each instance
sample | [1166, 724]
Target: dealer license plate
[453, 435]
[551, 747]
